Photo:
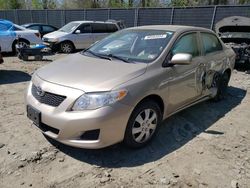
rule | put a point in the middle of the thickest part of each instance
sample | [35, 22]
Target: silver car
[122, 87]
[80, 34]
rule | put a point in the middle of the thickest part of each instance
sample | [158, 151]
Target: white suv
[80, 34]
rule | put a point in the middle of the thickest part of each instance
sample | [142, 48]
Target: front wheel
[67, 47]
[143, 124]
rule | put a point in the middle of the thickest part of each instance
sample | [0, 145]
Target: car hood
[55, 34]
[90, 74]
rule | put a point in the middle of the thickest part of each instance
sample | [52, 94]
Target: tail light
[38, 35]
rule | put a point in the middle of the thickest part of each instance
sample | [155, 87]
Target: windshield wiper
[97, 55]
[126, 60]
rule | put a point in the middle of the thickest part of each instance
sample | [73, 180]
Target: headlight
[92, 101]
[53, 40]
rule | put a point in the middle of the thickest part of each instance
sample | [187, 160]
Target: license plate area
[34, 115]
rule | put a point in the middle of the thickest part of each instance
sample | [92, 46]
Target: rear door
[83, 39]
[186, 80]
[213, 52]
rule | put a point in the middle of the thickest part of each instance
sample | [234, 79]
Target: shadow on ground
[13, 76]
[174, 133]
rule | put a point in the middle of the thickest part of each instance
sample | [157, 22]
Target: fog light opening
[90, 135]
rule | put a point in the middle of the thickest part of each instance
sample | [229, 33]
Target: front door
[84, 38]
[186, 83]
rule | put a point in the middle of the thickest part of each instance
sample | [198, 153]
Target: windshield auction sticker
[152, 37]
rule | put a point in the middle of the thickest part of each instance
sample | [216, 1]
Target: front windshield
[68, 28]
[133, 45]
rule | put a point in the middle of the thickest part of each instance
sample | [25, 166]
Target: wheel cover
[66, 48]
[21, 44]
[144, 125]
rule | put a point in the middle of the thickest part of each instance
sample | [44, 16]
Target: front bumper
[111, 121]
[54, 46]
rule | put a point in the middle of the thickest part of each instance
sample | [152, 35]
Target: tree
[130, 3]
[244, 1]
[180, 3]
[48, 4]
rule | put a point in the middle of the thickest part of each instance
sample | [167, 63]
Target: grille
[47, 98]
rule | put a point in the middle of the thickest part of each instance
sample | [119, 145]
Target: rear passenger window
[35, 27]
[210, 43]
[48, 28]
[111, 28]
[99, 28]
[186, 44]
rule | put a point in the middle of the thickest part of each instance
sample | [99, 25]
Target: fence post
[64, 17]
[109, 14]
[16, 16]
[84, 14]
[31, 16]
[172, 16]
[136, 17]
[213, 18]
[46, 16]
[5, 14]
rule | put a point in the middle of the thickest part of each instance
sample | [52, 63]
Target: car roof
[29, 24]
[174, 28]
[90, 21]
[7, 22]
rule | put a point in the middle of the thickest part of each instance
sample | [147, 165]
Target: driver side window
[186, 44]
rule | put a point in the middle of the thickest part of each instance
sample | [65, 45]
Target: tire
[222, 85]
[25, 57]
[140, 129]
[38, 57]
[66, 47]
[21, 42]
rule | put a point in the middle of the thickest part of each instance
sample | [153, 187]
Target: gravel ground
[207, 145]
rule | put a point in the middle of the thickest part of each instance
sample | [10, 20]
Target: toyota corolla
[122, 87]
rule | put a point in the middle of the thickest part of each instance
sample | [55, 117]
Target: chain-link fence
[194, 16]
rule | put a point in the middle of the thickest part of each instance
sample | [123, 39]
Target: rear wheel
[66, 47]
[38, 57]
[143, 124]
[221, 84]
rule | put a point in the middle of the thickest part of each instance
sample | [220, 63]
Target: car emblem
[39, 91]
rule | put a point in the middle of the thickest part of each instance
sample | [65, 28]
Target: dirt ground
[207, 145]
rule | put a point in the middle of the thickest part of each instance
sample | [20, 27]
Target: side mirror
[181, 59]
[77, 31]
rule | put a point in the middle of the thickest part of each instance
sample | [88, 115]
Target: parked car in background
[9, 32]
[80, 34]
[121, 88]
[235, 32]
[1, 57]
[42, 28]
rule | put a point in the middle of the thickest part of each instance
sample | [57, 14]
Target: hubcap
[22, 44]
[66, 48]
[144, 125]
